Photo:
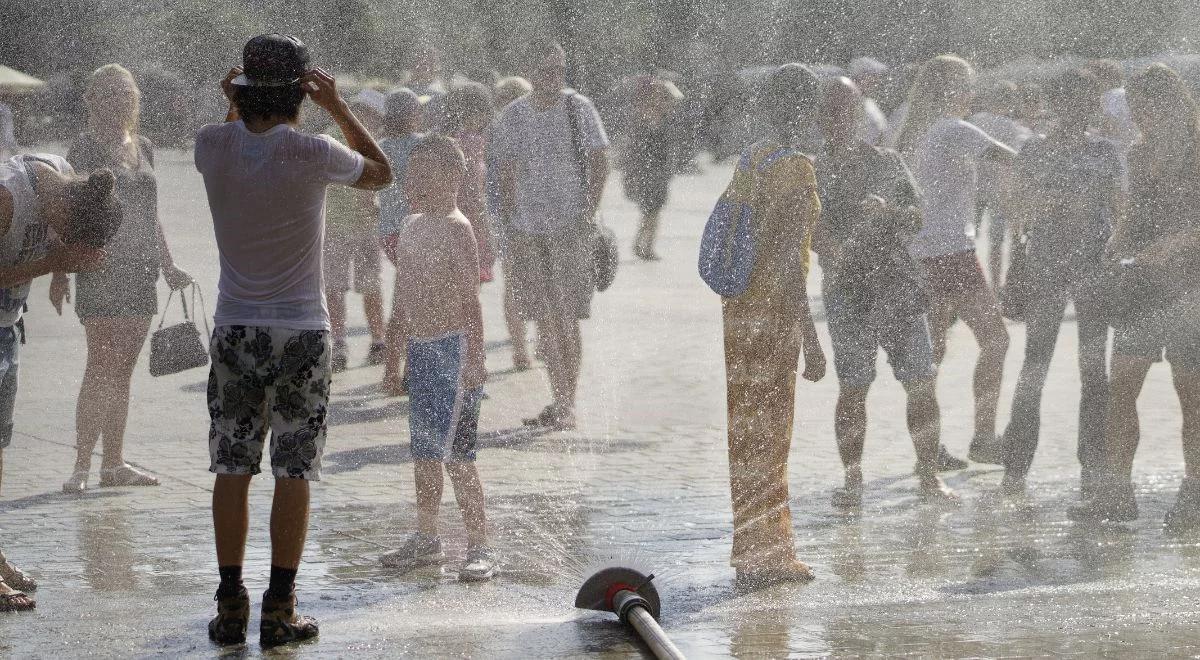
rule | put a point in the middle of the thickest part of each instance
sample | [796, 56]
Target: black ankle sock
[231, 580]
[283, 581]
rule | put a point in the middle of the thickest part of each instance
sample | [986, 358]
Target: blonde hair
[107, 74]
[938, 83]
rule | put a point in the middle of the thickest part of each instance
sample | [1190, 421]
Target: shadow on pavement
[398, 454]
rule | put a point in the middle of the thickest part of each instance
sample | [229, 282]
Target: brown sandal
[16, 578]
[16, 601]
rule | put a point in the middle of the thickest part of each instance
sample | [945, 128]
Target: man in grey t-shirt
[553, 158]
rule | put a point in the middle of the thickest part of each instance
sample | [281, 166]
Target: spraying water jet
[632, 597]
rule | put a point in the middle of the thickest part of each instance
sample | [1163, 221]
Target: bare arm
[229, 90]
[322, 89]
[597, 163]
[803, 210]
[508, 190]
[61, 258]
[466, 285]
[1000, 153]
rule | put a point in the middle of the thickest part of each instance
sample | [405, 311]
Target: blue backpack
[727, 247]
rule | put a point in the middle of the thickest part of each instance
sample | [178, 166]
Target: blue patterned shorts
[274, 378]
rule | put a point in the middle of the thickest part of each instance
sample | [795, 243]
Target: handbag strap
[187, 316]
[203, 308]
[572, 104]
[577, 151]
[167, 307]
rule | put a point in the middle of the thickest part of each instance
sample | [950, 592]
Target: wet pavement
[130, 572]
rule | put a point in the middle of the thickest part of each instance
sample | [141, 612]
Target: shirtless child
[439, 290]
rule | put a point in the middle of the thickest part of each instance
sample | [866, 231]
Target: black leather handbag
[179, 347]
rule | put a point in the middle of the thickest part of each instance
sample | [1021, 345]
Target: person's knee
[997, 341]
[1123, 388]
[1187, 386]
[922, 391]
[462, 471]
[232, 484]
[852, 397]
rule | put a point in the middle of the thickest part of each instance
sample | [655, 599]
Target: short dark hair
[1107, 72]
[267, 102]
[1072, 88]
[790, 95]
[540, 48]
[400, 108]
[442, 147]
[94, 213]
[466, 100]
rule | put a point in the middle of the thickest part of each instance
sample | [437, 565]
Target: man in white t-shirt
[270, 348]
[553, 156]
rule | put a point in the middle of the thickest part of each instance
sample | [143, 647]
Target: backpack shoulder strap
[571, 99]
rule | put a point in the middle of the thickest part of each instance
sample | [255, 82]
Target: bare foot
[12, 600]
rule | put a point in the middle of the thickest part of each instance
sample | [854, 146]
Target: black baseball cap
[273, 60]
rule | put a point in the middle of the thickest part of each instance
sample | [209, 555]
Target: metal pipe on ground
[632, 597]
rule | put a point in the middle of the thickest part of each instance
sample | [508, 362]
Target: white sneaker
[482, 564]
[420, 550]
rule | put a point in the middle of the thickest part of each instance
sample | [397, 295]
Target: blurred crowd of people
[1086, 186]
[1083, 184]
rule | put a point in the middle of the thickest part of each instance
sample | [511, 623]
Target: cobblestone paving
[130, 573]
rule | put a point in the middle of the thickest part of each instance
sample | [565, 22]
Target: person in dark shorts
[872, 289]
[944, 152]
[40, 194]
[651, 156]
[1069, 190]
[446, 371]
[116, 303]
[1159, 241]
[549, 210]
[271, 347]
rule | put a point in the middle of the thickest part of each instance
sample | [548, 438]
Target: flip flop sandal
[126, 475]
[16, 601]
[16, 578]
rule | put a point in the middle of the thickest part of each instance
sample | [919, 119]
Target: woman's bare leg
[129, 335]
[103, 406]
[980, 310]
[89, 407]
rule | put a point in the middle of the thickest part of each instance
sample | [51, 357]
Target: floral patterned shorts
[262, 378]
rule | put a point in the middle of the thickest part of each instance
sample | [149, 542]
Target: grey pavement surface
[131, 572]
